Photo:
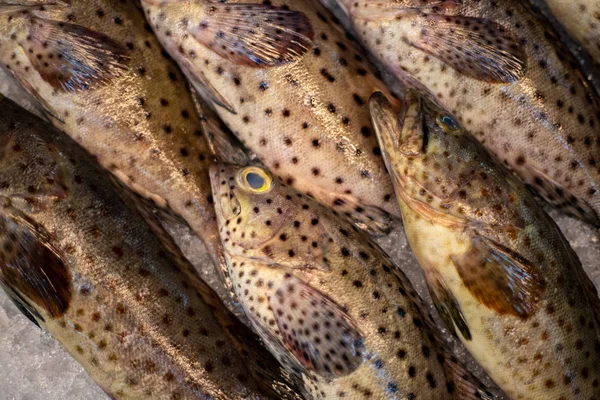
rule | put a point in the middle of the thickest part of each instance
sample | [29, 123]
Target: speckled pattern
[306, 120]
[499, 270]
[581, 18]
[125, 101]
[128, 307]
[504, 73]
[327, 300]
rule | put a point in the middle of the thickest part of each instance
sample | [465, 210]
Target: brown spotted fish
[81, 262]
[581, 18]
[327, 301]
[505, 75]
[102, 77]
[499, 270]
[293, 88]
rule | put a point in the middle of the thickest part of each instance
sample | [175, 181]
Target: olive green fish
[293, 88]
[499, 270]
[102, 78]
[80, 261]
[505, 75]
[328, 302]
[581, 18]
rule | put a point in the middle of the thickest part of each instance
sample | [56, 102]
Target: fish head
[263, 220]
[429, 155]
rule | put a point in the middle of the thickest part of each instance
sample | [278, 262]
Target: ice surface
[35, 367]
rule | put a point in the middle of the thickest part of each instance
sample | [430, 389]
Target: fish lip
[215, 179]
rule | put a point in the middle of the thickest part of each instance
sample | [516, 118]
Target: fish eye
[448, 123]
[255, 180]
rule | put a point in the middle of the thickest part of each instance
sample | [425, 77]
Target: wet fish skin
[123, 99]
[328, 302]
[498, 268]
[314, 90]
[582, 21]
[523, 96]
[81, 262]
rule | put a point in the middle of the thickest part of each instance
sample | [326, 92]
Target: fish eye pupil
[255, 181]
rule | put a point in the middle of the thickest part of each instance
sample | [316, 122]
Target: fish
[581, 19]
[327, 301]
[506, 76]
[102, 77]
[79, 259]
[294, 92]
[502, 275]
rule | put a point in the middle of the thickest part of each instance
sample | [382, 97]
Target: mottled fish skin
[326, 299]
[80, 261]
[581, 18]
[305, 117]
[134, 113]
[507, 77]
[498, 268]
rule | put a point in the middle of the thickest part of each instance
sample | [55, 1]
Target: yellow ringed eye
[255, 180]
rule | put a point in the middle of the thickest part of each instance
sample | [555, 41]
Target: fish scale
[328, 302]
[301, 107]
[121, 97]
[504, 74]
[503, 277]
[581, 18]
[79, 260]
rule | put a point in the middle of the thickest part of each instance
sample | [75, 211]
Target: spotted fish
[499, 270]
[102, 78]
[581, 18]
[293, 88]
[80, 261]
[328, 302]
[506, 77]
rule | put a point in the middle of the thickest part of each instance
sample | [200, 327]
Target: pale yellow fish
[327, 301]
[293, 88]
[80, 261]
[581, 18]
[506, 76]
[499, 270]
[102, 78]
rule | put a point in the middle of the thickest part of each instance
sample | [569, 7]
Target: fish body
[505, 75]
[581, 20]
[80, 261]
[294, 91]
[499, 270]
[102, 78]
[328, 302]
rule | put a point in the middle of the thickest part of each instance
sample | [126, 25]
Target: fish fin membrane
[559, 197]
[72, 58]
[371, 219]
[478, 48]
[390, 9]
[31, 268]
[203, 86]
[12, 6]
[316, 330]
[500, 278]
[255, 35]
[465, 385]
[223, 143]
[23, 305]
[447, 305]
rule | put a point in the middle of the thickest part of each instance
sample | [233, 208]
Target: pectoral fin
[72, 58]
[255, 35]
[500, 278]
[476, 47]
[321, 335]
[31, 267]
